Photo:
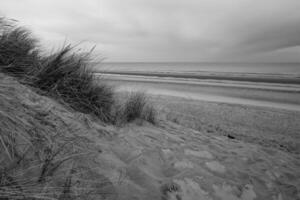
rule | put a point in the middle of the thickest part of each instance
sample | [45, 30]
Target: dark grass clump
[68, 75]
[150, 113]
[18, 49]
[134, 106]
[137, 106]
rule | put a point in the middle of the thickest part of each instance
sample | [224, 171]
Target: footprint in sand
[171, 191]
[183, 189]
[215, 166]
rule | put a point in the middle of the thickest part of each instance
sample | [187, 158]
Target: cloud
[162, 30]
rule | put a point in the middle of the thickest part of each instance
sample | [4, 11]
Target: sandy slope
[142, 161]
[172, 162]
[46, 148]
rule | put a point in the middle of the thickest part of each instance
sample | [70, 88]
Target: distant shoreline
[264, 78]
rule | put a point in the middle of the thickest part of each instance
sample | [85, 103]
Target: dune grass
[135, 106]
[37, 161]
[65, 75]
[18, 51]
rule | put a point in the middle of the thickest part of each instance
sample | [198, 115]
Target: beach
[257, 112]
[196, 150]
[149, 100]
[247, 133]
[276, 95]
[211, 140]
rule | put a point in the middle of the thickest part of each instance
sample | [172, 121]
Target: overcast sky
[168, 30]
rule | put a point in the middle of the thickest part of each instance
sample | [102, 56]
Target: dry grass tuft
[136, 106]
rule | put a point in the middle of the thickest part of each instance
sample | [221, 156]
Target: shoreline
[209, 82]
[219, 76]
[279, 96]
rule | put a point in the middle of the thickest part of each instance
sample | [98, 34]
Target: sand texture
[172, 162]
[142, 161]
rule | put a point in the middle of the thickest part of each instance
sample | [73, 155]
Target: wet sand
[274, 95]
[205, 75]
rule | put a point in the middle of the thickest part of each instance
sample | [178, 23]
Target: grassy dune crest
[65, 75]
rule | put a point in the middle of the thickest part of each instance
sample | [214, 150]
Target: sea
[260, 68]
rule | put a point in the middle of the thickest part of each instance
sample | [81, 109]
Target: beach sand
[259, 113]
[225, 152]
[217, 140]
[265, 126]
[209, 150]
[172, 162]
